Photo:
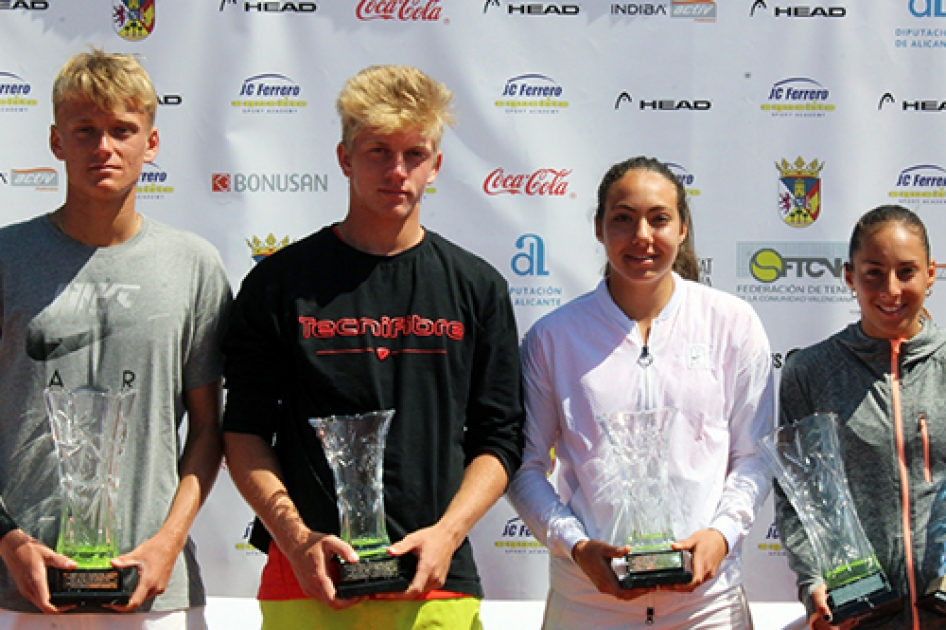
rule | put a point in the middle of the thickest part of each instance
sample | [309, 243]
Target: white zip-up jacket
[707, 356]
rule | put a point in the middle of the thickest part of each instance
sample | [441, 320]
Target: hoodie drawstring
[904, 475]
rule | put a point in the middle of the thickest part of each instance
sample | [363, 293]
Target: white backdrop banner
[786, 120]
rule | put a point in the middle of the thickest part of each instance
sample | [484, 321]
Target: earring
[929, 292]
[853, 294]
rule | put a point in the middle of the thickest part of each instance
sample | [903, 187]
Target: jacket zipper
[925, 436]
[904, 475]
[645, 360]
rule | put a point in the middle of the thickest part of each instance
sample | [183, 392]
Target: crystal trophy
[89, 428]
[641, 443]
[806, 459]
[354, 448]
[934, 562]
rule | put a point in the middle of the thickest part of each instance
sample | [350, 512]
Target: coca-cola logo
[545, 181]
[405, 10]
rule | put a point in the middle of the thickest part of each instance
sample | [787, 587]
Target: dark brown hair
[686, 263]
[881, 216]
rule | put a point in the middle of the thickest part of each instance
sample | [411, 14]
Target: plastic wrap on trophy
[641, 444]
[934, 564]
[354, 448]
[806, 459]
[89, 428]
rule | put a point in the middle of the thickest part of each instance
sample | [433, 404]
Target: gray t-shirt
[145, 314]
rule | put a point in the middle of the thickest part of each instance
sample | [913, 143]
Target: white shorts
[190, 619]
[728, 610]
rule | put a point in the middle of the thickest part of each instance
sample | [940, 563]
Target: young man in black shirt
[372, 313]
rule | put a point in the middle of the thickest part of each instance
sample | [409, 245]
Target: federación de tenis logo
[799, 198]
[133, 19]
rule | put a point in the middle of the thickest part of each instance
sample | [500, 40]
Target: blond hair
[390, 99]
[109, 80]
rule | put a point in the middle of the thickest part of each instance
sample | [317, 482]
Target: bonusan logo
[792, 272]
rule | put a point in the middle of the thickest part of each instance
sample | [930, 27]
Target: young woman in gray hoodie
[884, 377]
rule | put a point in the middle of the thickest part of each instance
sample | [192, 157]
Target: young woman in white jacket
[645, 338]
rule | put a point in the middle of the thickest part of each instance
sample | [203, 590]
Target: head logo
[686, 178]
[800, 97]
[548, 182]
[490, 4]
[271, 7]
[266, 248]
[537, 8]
[923, 183]
[27, 5]
[664, 104]
[133, 19]
[269, 93]
[531, 260]
[170, 99]
[799, 198]
[912, 106]
[927, 8]
[402, 10]
[14, 93]
[801, 11]
[699, 10]
[43, 178]
[533, 93]
[269, 182]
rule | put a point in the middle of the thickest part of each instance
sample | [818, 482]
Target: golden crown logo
[799, 168]
[262, 249]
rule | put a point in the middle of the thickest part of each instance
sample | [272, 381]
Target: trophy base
[935, 597]
[369, 576]
[91, 587]
[869, 597]
[645, 569]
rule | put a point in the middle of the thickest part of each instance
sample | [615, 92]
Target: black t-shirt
[321, 329]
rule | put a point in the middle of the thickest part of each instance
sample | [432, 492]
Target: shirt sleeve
[494, 408]
[212, 300]
[749, 478]
[253, 363]
[531, 493]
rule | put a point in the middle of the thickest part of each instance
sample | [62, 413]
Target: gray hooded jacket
[850, 374]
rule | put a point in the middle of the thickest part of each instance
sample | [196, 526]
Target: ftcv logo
[792, 272]
[799, 199]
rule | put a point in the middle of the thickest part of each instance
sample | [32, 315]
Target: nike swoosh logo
[39, 348]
